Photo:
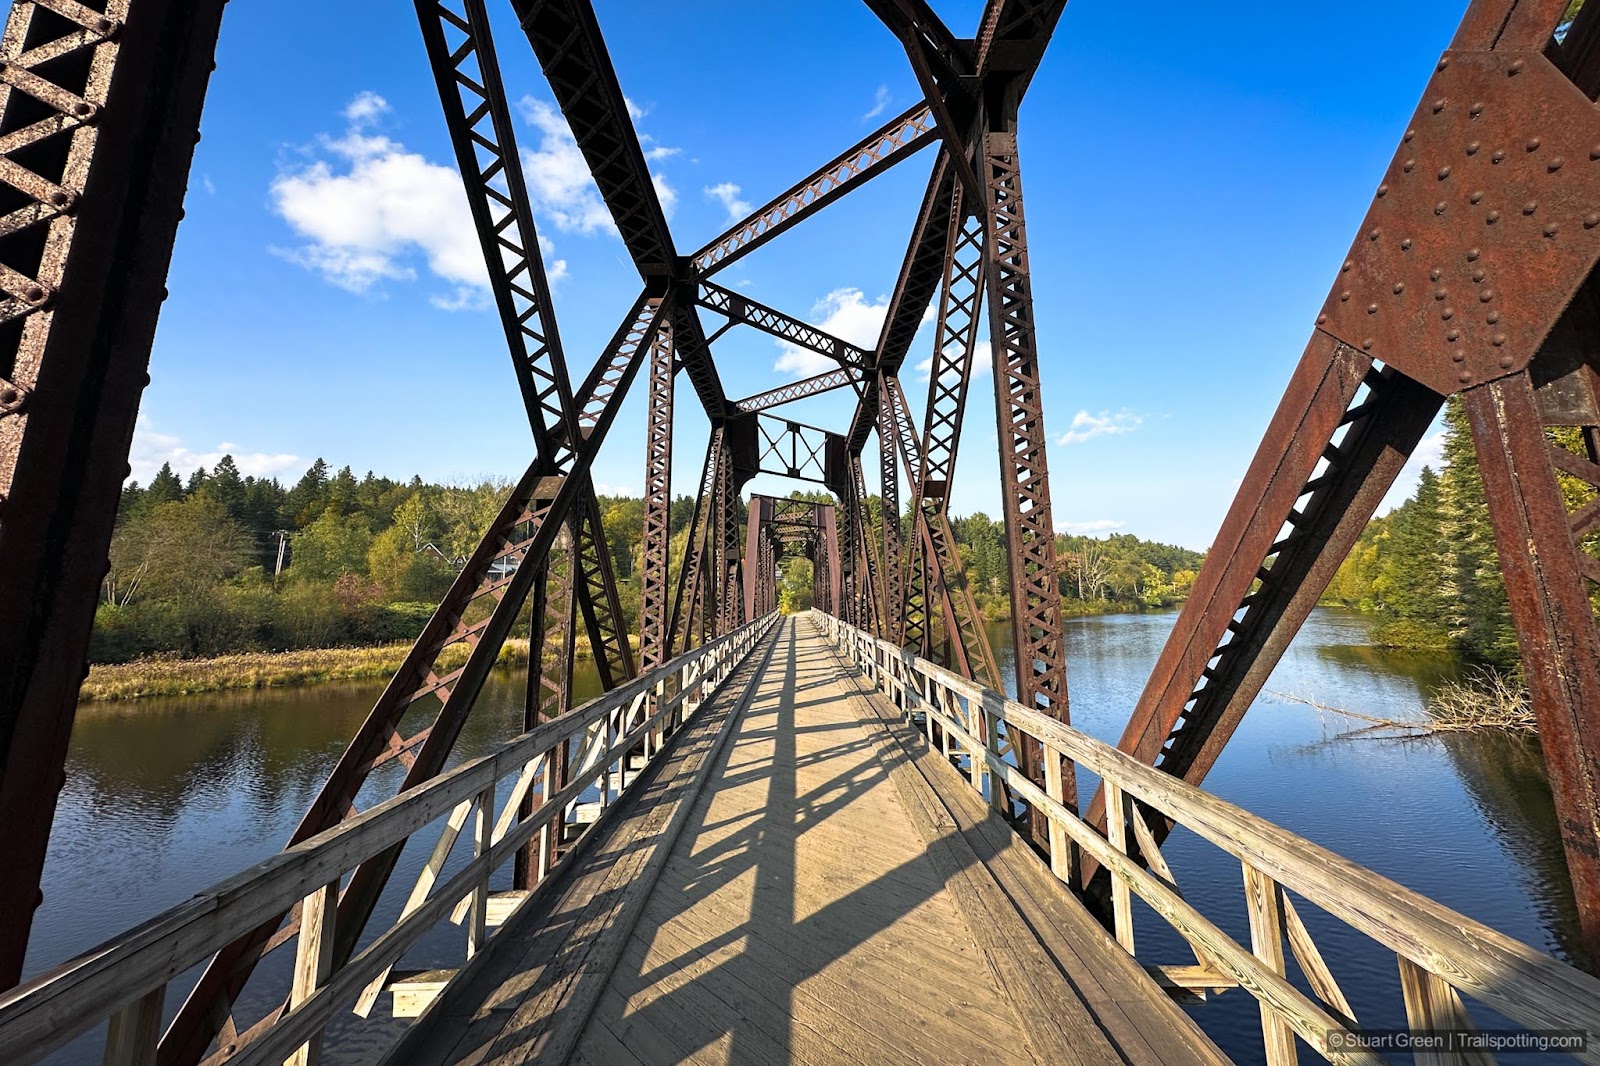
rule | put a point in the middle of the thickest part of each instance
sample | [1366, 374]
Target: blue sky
[1191, 182]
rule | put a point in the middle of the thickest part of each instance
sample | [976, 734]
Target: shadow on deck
[803, 880]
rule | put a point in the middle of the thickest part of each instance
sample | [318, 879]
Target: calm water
[165, 797]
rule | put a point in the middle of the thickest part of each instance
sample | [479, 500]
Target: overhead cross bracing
[1472, 275]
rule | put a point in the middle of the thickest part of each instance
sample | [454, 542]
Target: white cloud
[208, 185]
[369, 208]
[844, 313]
[366, 108]
[151, 449]
[728, 193]
[1086, 426]
[1093, 525]
[559, 183]
[982, 362]
[880, 100]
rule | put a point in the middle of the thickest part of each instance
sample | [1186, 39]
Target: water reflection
[165, 797]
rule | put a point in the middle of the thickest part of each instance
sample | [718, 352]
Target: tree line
[1429, 569]
[222, 562]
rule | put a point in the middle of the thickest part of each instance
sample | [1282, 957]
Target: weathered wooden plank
[1263, 901]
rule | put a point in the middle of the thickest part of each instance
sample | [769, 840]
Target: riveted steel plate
[1485, 225]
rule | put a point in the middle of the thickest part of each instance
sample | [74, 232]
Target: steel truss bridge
[1473, 275]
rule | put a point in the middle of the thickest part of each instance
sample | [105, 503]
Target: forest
[218, 562]
[1429, 570]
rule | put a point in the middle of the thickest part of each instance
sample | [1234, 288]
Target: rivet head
[1321, 319]
[1374, 233]
[1452, 335]
[1440, 207]
[1530, 207]
[1405, 245]
[1366, 345]
[1383, 190]
[102, 26]
[1440, 293]
[1458, 357]
[1435, 274]
[1372, 309]
[1494, 316]
[1594, 153]
[1409, 165]
[1551, 230]
[1344, 297]
[1409, 134]
[1476, 109]
[1497, 157]
[60, 199]
[1492, 217]
[1399, 287]
[1505, 362]
[34, 295]
[82, 110]
[1443, 62]
[1346, 266]
[1472, 254]
[1486, 295]
[1438, 105]
[1591, 220]
[1472, 149]
[1444, 172]
[1554, 164]
[1515, 67]
[1477, 196]
[8, 397]
[1465, 377]
[1448, 313]
[1533, 144]
[1477, 275]
[1498, 339]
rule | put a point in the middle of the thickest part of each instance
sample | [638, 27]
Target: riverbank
[184, 677]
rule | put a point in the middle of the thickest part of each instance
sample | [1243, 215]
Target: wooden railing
[125, 979]
[1441, 954]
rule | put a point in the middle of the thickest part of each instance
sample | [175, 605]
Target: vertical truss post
[755, 547]
[687, 600]
[99, 113]
[1024, 474]
[655, 619]
[889, 475]
[1545, 573]
[727, 614]
[834, 568]
[551, 640]
[870, 589]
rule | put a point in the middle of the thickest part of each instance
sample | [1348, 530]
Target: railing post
[991, 741]
[478, 918]
[1063, 852]
[313, 961]
[1117, 833]
[1264, 901]
[1432, 1006]
[135, 1030]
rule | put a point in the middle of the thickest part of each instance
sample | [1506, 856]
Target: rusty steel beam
[799, 390]
[894, 142]
[521, 536]
[548, 694]
[654, 605]
[99, 113]
[1461, 279]
[567, 41]
[794, 449]
[739, 308]
[914, 290]
[756, 531]
[681, 626]
[893, 586]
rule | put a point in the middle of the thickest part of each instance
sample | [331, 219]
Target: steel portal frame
[83, 263]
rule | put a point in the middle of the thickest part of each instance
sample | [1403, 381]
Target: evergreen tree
[164, 487]
[196, 481]
[308, 499]
[227, 488]
[1479, 614]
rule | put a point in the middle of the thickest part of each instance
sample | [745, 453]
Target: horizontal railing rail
[125, 979]
[1440, 953]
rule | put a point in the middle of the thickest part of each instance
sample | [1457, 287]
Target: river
[167, 796]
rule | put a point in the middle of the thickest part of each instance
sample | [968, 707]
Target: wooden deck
[803, 881]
